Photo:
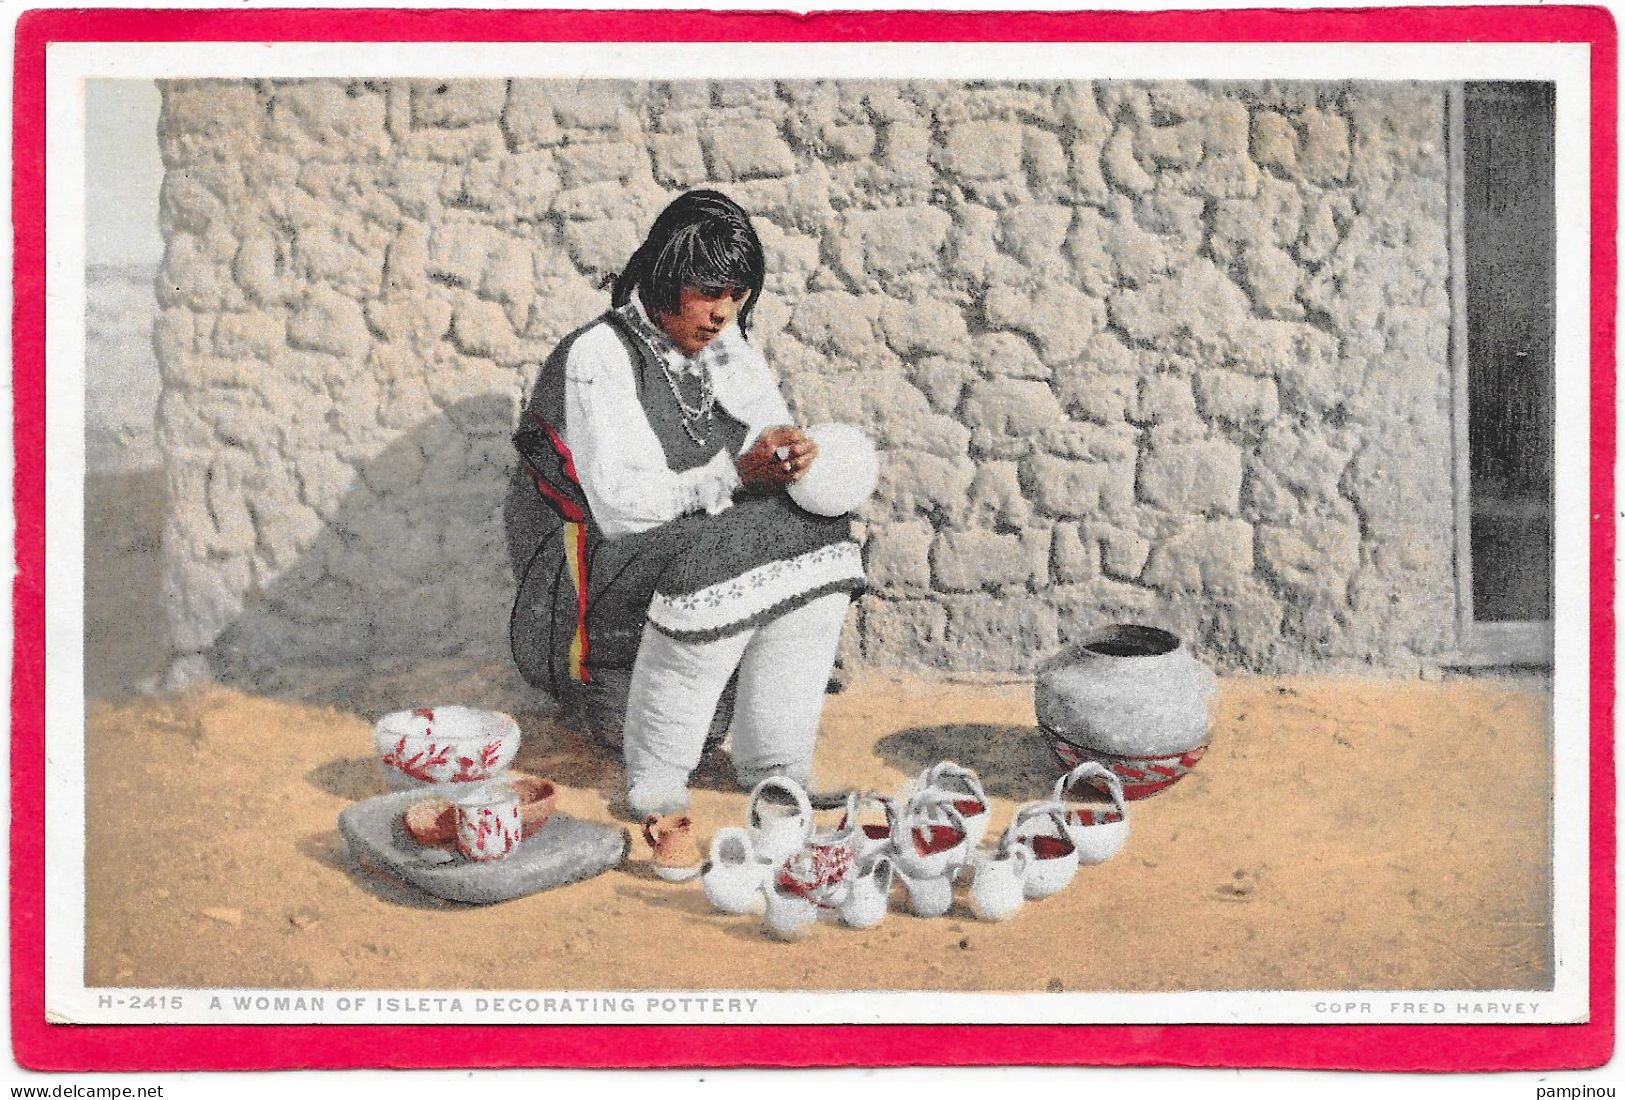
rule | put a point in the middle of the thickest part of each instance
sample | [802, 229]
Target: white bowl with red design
[451, 744]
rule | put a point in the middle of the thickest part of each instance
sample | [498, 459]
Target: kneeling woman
[661, 444]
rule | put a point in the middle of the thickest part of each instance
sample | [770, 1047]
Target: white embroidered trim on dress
[753, 592]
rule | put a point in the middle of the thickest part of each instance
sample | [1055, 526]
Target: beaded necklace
[664, 352]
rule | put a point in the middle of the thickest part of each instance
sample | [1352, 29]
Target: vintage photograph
[605, 548]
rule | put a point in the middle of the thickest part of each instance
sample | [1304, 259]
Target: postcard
[718, 528]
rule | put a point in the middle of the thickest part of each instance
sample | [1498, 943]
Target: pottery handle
[1052, 810]
[790, 787]
[648, 831]
[1090, 771]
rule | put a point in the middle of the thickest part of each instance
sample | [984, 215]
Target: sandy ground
[1339, 835]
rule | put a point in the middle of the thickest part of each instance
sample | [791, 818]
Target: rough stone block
[967, 561]
[1064, 486]
[899, 241]
[897, 558]
[943, 382]
[595, 104]
[1176, 146]
[481, 329]
[1061, 318]
[1198, 302]
[202, 119]
[996, 499]
[1073, 558]
[913, 485]
[601, 247]
[894, 413]
[838, 324]
[328, 322]
[848, 141]
[928, 327]
[902, 633]
[1236, 398]
[1047, 163]
[457, 102]
[1013, 633]
[982, 150]
[1103, 398]
[1035, 235]
[612, 161]
[1271, 278]
[1275, 142]
[1121, 168]
[252, 335]
[1123, 554]
[1004, 414]
[1213, 556]
[458, 252]
[678, 159]
[1165, 398]
[1314, 558]
[1115, 443]
[1008, 355]
[418, 317]
[1324, 156]
[751, 151]
[528, 119]
[1192, 477]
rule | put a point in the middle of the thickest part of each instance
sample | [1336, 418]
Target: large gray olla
[563, 851]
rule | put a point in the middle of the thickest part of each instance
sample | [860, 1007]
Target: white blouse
[620, 463]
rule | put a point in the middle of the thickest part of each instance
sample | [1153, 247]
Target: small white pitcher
[963, 789]
[1098, 834]
[733, 877]
[867, 894]
[787, 916]
[998, 888]
[775, 839]
[929, 897]
[1041, 828]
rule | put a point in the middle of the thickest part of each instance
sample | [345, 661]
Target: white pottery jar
[867, 895]
[1097, 832]
[1131, 697]
[931, 896]
[776, 837]
[998, 889]
[1041, 828]
[929, 838]
[733, 877]
[787, 916]
[960, 787]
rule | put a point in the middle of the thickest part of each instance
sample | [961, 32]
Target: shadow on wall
[367, 615]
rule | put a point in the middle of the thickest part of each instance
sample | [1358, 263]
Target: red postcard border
[43, 1046]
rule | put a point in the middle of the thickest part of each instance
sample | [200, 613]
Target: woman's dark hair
[703, 239]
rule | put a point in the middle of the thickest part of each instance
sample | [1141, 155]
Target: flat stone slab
[563, 851]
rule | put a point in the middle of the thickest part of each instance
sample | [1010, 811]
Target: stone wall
[1173, 353]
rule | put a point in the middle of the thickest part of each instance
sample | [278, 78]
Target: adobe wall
[1174, 353]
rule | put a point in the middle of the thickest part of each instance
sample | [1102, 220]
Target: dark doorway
[1509, 219]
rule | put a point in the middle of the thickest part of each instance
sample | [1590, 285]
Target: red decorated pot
[1132, 698]
[445, 745]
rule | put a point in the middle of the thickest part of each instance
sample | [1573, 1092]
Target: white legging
[784, 668]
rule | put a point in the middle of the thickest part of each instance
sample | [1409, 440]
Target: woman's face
[702, 314]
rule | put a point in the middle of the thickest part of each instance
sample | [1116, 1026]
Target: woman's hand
[779, 457]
